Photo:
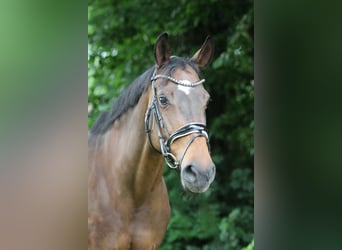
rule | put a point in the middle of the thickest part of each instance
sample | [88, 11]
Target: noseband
[195, 128]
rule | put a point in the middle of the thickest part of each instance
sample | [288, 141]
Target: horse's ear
[162, 50]
[204, 54]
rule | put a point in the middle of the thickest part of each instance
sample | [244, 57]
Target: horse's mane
[130, 97]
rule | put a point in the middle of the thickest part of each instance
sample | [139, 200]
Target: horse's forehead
[186, 74]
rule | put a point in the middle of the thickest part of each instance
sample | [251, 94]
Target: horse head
[175, 119]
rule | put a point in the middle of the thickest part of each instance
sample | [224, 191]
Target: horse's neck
[130, 161]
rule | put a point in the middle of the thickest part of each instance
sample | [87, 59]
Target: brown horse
[161, 115]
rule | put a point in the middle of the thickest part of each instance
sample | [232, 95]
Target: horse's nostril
[190, 173]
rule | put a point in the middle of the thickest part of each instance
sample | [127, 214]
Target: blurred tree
[121, 35]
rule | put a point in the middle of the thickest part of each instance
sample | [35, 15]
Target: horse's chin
[194, 188]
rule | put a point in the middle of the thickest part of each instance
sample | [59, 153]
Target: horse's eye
[163, 100]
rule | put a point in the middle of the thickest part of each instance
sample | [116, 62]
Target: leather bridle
[197, 129]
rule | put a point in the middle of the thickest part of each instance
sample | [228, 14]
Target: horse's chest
[142, 229]
[148, 229]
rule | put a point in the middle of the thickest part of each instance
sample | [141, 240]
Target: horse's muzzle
[196, 180]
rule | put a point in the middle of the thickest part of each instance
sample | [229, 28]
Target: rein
[195, 128]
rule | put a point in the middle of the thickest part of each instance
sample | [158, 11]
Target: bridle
[197, 129]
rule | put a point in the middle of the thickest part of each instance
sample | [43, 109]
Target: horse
[160, 116]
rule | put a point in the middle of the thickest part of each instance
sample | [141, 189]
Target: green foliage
[121, 36]
[235, 228]
[250, 246]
